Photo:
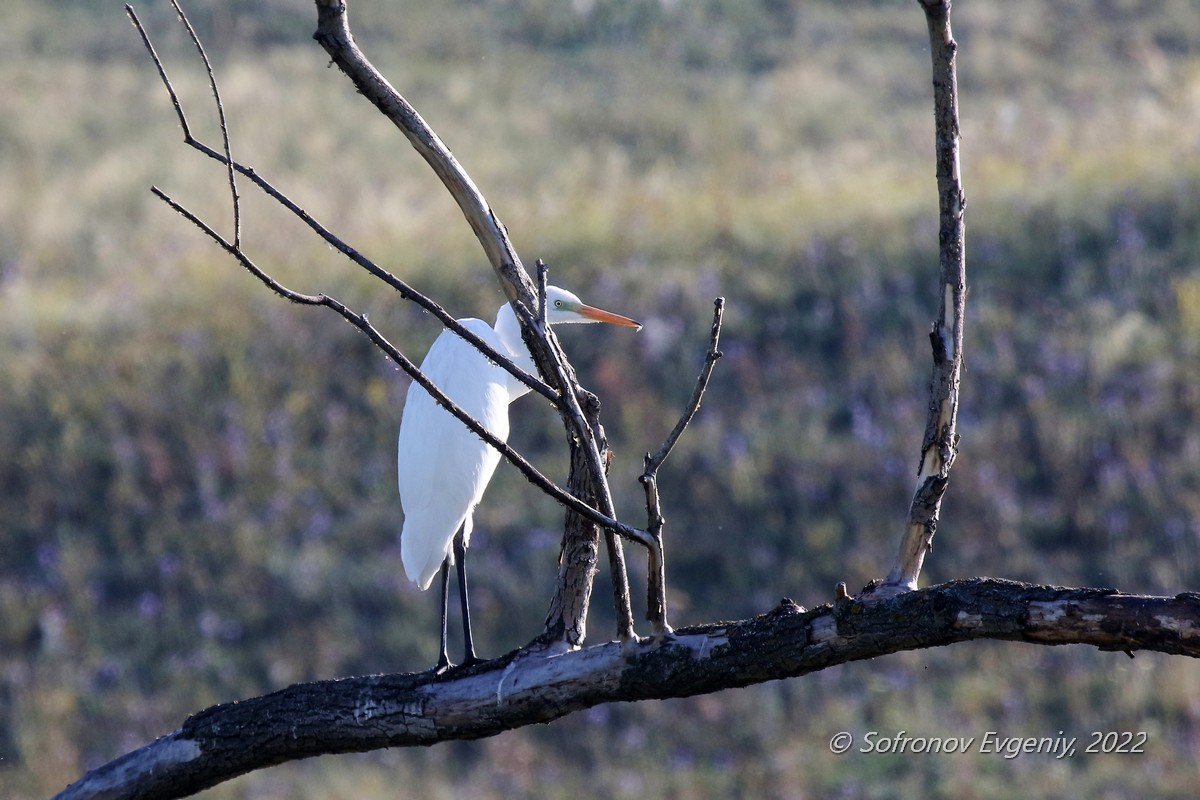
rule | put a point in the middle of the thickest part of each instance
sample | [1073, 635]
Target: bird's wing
[443, 467]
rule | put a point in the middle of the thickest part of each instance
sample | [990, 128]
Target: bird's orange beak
[600, 315]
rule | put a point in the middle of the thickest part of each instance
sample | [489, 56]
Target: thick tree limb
[533, 686]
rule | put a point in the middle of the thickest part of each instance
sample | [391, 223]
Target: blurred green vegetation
[197, 486]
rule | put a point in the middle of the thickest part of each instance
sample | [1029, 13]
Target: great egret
[443, 467]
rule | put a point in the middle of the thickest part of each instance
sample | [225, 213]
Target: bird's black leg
[460, 558]
[443, 663]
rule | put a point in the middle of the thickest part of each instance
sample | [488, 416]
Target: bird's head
[563, 307]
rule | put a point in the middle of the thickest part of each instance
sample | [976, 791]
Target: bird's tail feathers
[423, 554]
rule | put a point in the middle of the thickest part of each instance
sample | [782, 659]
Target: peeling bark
[538, 685]
[940, 441]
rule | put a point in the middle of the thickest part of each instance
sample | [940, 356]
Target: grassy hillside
[197, 485]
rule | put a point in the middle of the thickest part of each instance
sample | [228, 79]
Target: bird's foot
[468, 662]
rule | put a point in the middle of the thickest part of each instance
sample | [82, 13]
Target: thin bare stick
[940, 443]
[212, 82]
[542, 271]
[162, 72]
[656, 584]
[405, 291]
[333, 34]
[710, 361]
[619, 579]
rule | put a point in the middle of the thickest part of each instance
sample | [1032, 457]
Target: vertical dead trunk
[940, 442]
[566, 619]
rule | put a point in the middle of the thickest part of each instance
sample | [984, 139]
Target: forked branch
[333, 34]
[360, 321]
[405, 291]
[656, 584]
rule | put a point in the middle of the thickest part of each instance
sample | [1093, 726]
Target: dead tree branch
[583, 516]
[527, 687]
[406, 291]
[656, 584]
[333, 34]
[710, 361]
[940, 443]
[224, 125]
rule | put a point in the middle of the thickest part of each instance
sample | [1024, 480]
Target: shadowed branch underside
[535, 685]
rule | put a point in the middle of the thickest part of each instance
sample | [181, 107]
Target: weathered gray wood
[940, 442]
[534, 685]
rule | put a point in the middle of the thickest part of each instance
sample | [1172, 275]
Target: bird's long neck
[509, 331]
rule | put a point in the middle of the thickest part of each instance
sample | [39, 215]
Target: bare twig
[710, 361]
[183, 123]
[940, 443]
[405, 291]
[162, 73]
[542, 270]
[619, 579]
[656, 583]
[216, 93]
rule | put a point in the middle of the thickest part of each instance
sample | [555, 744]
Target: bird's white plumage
[443, 467]
[440, 487]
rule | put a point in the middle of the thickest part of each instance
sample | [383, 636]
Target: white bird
[443, 467]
